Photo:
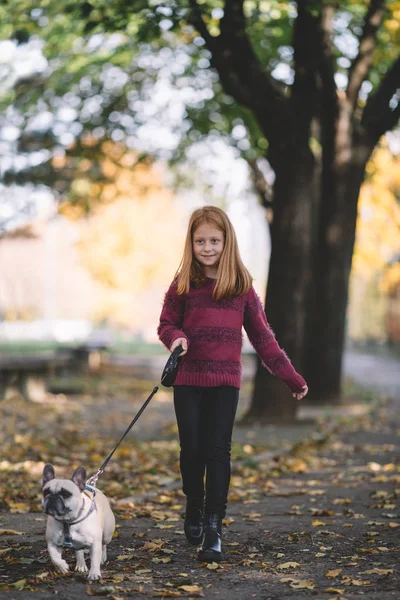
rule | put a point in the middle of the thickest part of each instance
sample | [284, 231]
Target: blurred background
[117, 122]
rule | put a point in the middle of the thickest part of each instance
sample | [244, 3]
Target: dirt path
[320, 522]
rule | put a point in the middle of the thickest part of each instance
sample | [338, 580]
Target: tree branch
[329, 96]
[378, 116]
[367, 43]
[241, 73]
[307, 44]
[260, 184]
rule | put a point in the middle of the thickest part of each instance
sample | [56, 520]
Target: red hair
[233, 279]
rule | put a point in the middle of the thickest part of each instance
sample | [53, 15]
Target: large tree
[316, 85]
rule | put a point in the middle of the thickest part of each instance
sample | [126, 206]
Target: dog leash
[169, 369]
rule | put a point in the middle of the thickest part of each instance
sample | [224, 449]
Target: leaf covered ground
[314, 518]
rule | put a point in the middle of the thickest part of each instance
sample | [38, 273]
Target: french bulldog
[76, 516]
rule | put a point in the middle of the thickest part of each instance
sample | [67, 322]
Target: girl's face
[208, 244]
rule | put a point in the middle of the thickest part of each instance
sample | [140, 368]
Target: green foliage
[115, 52]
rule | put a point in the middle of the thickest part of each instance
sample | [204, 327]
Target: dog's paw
[81, 568]
[94, 575]
[62, 567]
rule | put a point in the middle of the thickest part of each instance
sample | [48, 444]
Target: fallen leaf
[11, 532]
[193, 590]
[165, 593]
[288, 565]
[303, 584]
[377, 571]
[333, 573]
[20, 584]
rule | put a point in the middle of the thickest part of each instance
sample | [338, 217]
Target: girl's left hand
[300, 395]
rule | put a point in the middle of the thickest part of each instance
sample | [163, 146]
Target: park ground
[313, 508]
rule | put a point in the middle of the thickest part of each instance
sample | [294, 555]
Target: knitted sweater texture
[213, 330]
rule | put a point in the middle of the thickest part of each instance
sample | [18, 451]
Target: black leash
[168, 374]
[91, 482]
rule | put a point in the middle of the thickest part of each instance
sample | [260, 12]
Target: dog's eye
[46, 492]
[65, 494]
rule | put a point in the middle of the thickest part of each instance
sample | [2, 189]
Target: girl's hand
[300, 395]
[180, 342]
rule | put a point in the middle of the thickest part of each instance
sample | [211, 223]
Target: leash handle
[91, 482]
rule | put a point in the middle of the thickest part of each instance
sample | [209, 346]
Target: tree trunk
[287, 282]
[345, 155]
[327, 306]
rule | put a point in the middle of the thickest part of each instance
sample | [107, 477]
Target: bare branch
[379, 116]
[261, 186]
[240, 71]
[329, 96]
[312, 57]
[367, 43]
[197, 20]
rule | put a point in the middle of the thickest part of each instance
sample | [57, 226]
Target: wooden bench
[29, 373]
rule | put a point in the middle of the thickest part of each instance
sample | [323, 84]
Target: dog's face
[62, 497]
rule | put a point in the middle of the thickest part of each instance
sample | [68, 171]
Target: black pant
[205, 417]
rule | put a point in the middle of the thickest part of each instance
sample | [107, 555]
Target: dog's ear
[48, 474]
[79, 478]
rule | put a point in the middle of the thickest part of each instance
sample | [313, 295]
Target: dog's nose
[53, 505]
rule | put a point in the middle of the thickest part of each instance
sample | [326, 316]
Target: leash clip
[91, 482]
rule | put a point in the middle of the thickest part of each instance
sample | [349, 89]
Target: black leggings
[205, 417]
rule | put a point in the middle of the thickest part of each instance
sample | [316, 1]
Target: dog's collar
[67, 524]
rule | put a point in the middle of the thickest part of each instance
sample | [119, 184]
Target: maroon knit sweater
[214, 333]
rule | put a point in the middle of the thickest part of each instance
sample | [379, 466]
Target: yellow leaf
[213, 566]
[377, 571]
[332, 590]
[10, 532]
[153, 546]
[193, 590]
[359, 582]
[333, 573]
[393, 525]
[166, 593]
[288, 565]
[303, 584]
[318, 523]
[19, 507]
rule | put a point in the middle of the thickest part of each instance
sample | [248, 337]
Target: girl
[205, 308]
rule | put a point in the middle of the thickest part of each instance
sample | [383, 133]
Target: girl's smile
[208, 245]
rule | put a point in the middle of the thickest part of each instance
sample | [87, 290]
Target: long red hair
[233, 279]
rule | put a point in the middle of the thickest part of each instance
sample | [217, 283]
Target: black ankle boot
[194, 521]
[211, 548]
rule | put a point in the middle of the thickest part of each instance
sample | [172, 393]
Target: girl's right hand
[180, 342]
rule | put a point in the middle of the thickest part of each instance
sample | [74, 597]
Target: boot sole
[210, 556]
